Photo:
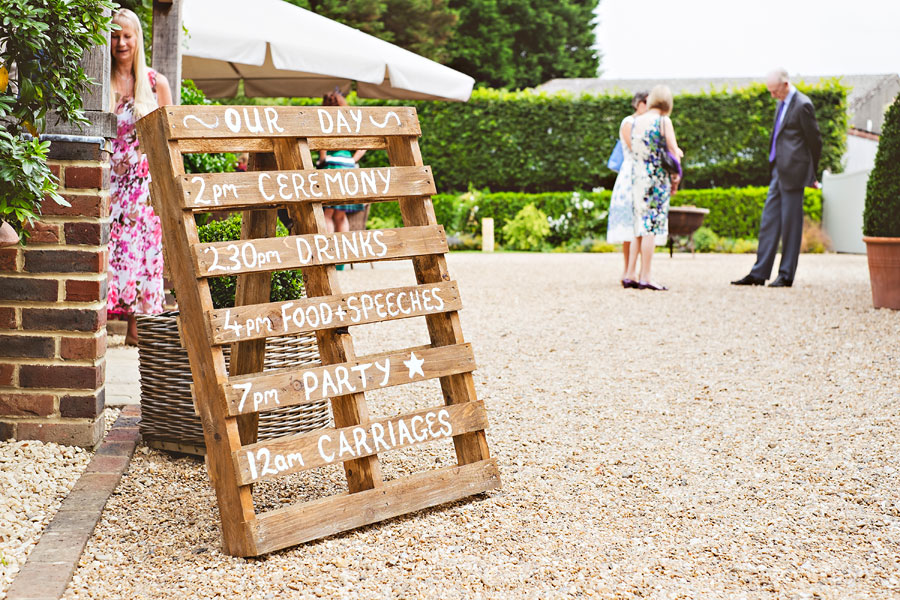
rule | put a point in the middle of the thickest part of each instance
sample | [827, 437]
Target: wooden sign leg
[207, 365]
[335, 345]
[252, 288]
[445, 328]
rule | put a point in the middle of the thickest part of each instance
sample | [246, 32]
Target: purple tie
[775, 133]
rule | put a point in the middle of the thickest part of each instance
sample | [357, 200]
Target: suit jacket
[799, 144]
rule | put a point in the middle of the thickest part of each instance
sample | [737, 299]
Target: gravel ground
[705, 442]
[35, 477]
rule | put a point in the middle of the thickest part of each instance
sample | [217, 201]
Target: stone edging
[50, 565]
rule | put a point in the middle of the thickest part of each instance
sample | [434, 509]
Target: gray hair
[779, 75]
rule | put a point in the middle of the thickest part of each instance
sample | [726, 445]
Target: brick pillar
[53, 309]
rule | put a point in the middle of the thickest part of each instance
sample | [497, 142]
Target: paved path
[50, 565]
[122, 381]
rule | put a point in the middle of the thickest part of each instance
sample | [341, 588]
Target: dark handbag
[669, 161]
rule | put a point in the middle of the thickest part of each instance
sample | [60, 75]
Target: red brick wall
[53, 309]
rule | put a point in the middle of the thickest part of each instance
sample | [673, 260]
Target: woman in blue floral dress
[651, 184]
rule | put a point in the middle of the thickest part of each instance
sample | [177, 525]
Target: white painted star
[414, 365]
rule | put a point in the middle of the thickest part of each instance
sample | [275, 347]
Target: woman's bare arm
[163, 90]
[670, 140]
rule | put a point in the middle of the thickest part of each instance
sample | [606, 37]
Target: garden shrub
[602, 246]
[705, 240]
[527, 230]
[575, 216]
[736, 212]
[881, 217]
[286, 285]
[742, 246]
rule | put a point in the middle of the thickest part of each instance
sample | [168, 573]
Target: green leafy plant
[41, 46]
[390, 221]
[742, 246]
[528, 229]
[881, 216]
[705, 240]
[286, 285]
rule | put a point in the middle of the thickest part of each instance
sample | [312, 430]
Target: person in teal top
[336, 216]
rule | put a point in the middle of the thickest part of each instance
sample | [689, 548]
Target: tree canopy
[420, 26]
[513, 44]
[501, 43]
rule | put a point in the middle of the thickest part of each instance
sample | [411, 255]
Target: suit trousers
[782, 219]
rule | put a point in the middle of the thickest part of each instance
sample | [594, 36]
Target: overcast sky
[722, 38]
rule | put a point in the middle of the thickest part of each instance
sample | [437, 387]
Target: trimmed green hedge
[531, 142]
[734, 212]
[536, 143]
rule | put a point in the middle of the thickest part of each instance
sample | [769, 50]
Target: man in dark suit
[794, 151]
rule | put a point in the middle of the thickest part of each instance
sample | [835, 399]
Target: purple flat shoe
[649, 285]
[629, 283]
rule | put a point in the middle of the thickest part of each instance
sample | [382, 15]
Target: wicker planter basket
[168, 419]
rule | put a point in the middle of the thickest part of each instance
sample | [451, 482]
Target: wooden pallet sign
[281, 140]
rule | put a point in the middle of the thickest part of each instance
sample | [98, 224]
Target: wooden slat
[356, 143]
[311, 314]
[291, 387]
[220, 433]
[193, 146]
[293, 252]
[335, 345]
[297, 524]
[282, 456]
[290, 121]
[231, 190]
[443, 329]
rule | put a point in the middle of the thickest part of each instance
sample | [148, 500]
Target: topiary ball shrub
[286, 285]
[881, 217]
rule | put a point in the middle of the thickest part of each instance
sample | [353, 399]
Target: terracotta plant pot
[884, 270]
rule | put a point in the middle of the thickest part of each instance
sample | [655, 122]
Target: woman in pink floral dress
[135, 272]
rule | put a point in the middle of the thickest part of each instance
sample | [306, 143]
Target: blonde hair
[144, 100]
[660, 97]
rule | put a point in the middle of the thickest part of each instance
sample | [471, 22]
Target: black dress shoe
[749, 280]
[781, 282]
